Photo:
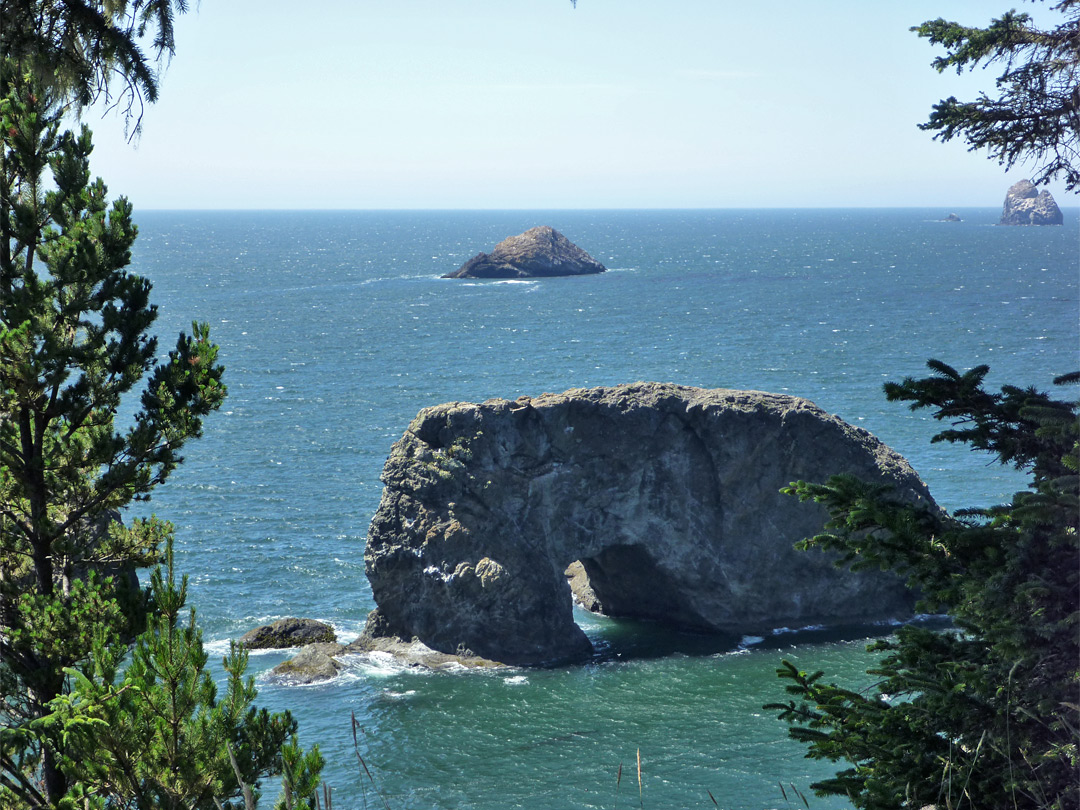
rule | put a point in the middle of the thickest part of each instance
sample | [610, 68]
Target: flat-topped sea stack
[668, 497]
[538, 253]
[1026, 205]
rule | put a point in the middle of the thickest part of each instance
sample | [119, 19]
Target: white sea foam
[780, 631]
[344, 676]
[379, 665]
[219, 647]
[345, 633]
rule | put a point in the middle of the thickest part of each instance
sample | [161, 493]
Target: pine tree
[84, 50]
[158, 736]
[985, 714]
[73, 342]
[1036, 112]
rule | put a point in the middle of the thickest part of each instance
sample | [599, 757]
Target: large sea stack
[1026, 205]
[538, 253]
[668, 496]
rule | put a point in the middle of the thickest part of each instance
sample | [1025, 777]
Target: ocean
[336, 328]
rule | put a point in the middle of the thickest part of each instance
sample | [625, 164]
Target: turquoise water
[336, 329]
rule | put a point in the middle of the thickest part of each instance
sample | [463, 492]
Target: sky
[535, 104]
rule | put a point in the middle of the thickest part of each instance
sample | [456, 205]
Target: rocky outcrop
[287, 633]
[1026, 205]
[581, 589]
[314, 663]
[537, 253]
[952, 218]
[668, 497]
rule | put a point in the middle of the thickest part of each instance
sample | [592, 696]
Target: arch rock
[668, 496]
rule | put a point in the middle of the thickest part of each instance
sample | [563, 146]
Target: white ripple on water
[345, 676]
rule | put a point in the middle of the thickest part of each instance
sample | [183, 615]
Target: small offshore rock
[314, 663]
[1026, 205]
[538, 253]
[287, 633]
[952, 218]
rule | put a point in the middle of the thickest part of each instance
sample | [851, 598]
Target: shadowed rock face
[1026, 205]
[537, 253]
[667, 495]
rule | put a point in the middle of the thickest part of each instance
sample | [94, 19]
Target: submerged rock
[668, 497]
[537, 253]
[1026, 205]
[287, 633]
[412, 653]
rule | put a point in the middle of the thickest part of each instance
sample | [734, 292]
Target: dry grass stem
[641, 794]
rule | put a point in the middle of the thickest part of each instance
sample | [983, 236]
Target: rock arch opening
[624, 581]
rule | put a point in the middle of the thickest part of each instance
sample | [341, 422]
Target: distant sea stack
[538, 253]
[1026, 205]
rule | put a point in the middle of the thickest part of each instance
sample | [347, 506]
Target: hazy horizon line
[945, 208]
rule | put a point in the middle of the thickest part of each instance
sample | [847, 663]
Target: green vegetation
[73, 342]
[74, 345]
[985, 714]
[83, 50]
[159, 737]
[1036, 112]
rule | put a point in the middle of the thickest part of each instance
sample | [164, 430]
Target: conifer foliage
[985, 714]
[159, 737]
[89, 49]
[1035, 110]
[74, 343]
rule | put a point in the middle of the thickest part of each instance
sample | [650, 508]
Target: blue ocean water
[335, 329]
